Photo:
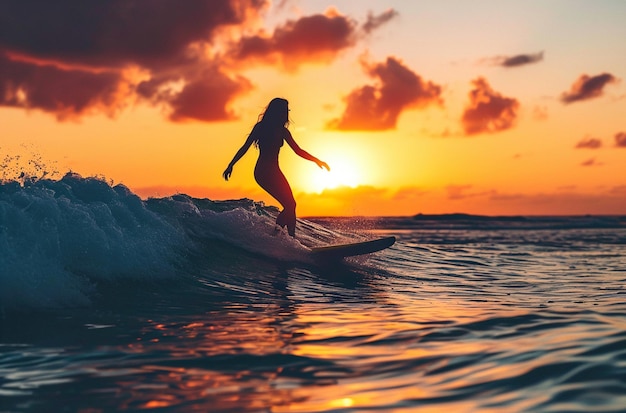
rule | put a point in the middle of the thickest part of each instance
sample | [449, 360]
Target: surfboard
[349, 250]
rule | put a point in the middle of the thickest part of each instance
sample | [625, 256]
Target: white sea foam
[59, 238]
[252, 232]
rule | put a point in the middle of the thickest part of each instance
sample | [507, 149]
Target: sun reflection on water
[297, 357]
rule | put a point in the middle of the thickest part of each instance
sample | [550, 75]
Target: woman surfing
[269, 134]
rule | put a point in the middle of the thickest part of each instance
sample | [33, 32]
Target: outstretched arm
[241, 152]
[302, 153]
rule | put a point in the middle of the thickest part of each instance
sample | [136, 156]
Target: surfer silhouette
[269, 134]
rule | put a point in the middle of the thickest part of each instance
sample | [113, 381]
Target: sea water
[113, 303]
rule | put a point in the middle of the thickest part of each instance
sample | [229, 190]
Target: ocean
[113, 303]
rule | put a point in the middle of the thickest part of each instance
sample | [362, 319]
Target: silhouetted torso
[269, 135]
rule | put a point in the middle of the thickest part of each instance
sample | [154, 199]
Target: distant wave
[468, 221]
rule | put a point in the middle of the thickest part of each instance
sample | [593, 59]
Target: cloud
[205, 98]
[406, 201]
[609, 202]
[587, 87]
[462, 198]
[459, 192]
[356, 201]
[618, 190]
[315, 38]
[378, 107]
[516, 60]
[589, 143]
[373, 22]
[565, 201]
[409, 194]
[68, 93]
[116, 32]
[591, 162]
[488, 111]
[620, 139]
[71, 57]
[311, 38]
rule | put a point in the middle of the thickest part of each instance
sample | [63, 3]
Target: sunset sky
[486, 107]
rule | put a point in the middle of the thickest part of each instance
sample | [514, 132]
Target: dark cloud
[589, 143]
[208, 97]
[620, 139]
[373, 22]
[204, 97]
[378, 107]
[488, 111]
[115, 32]
[71, 57]
[516, 60]
[587, 87]
[67, 93]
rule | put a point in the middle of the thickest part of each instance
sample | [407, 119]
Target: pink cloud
[377, 107]
[620, 139]
[314, 38]
[589, 143]
[317, 37]
[71, 58]
[488, 111]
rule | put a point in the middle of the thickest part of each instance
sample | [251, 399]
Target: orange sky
[484, 107]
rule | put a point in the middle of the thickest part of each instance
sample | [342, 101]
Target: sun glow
[341, 174]
[344, 171]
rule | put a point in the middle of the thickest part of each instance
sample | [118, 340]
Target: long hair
[276, 113]
[275, 116]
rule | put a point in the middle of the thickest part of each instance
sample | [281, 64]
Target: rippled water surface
[451, 318]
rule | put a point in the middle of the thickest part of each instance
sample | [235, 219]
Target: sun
[345, 171]
[341, 173]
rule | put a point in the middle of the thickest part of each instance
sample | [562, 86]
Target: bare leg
[275, 183]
